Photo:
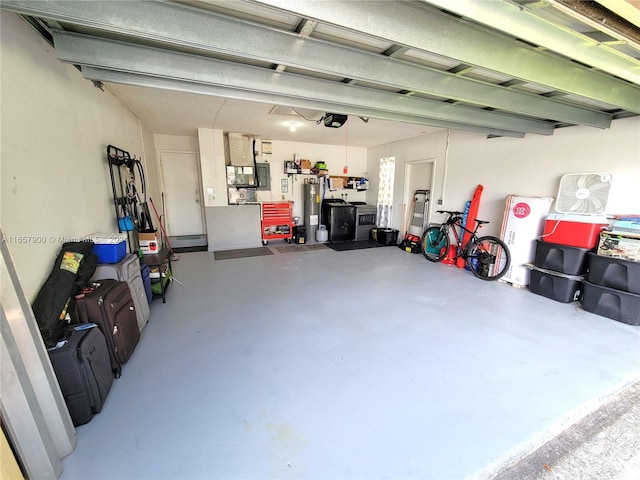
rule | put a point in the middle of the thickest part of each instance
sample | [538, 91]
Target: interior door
[182, 193]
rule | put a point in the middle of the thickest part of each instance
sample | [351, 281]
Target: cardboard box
[336, 183]
[522, 224]
[617, 245]
[148, 243]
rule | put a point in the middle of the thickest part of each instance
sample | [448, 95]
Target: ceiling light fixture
[293, 126]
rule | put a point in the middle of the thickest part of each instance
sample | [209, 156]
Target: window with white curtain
[385, 191]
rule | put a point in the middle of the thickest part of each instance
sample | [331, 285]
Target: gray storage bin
[611, 303]
[561, 258]
[555, 285]
[614, 273]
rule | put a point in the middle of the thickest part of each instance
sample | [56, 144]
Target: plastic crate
[611, 303]
[561, 258]
[614, 273]
[555, 285]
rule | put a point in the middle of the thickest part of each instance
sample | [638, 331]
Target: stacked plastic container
[558, 270]
[612, 286]
[561, 255]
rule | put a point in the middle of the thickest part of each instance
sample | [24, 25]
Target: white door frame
[407, 194]
[162, 213]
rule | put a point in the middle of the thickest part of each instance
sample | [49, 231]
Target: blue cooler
[109, 247]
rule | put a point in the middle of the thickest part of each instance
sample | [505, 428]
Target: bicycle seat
[480, 222]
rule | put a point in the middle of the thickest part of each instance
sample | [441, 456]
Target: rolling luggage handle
[77, 328]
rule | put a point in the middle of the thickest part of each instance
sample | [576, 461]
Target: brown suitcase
[108, 304]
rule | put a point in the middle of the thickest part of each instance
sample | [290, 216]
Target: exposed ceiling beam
[115, 55]
[102, 75]
[600, 18]
[423, 28]
[518, 21]
[178, 25]
[624, 8]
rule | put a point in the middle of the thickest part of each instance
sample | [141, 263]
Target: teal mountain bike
[487, 257]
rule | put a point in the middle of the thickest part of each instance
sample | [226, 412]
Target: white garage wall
[528, 166]
[230, 226]
[177, 143]
[335, 156]
[151, 170]
[55, 130]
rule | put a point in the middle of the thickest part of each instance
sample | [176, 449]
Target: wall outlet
[439, 201]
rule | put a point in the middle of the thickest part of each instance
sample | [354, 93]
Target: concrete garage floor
[605, 445]
[367, 364]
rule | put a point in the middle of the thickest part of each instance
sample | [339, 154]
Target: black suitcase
[108, 304]
[83, 369]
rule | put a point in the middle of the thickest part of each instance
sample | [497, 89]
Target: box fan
[583, 193]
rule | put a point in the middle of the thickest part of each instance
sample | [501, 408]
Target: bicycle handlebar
[452, 214]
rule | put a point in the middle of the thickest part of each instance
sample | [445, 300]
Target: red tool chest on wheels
[275, 221]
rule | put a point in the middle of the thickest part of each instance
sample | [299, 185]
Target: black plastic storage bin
[561, 258]
[611, 303]
[387, 236]
[299, 234]
[614, 273]
[555, 285]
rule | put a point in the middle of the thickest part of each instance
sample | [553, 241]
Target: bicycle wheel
[488, 258]
[435, 244]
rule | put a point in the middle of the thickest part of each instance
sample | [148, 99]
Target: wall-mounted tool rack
[131, 213]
